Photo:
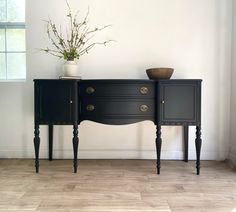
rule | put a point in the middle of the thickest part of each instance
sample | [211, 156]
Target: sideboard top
[119, 80]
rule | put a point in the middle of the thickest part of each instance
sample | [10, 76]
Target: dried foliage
[76, 42]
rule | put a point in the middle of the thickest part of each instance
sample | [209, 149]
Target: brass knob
[90, 90]
[143, 108]
[90, 108]
[143, 90]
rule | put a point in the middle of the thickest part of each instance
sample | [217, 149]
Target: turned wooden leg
[75, 146]
[50, 142]
[198, 143]
[186, 143]
[158, 147]
[50, 139]
[36, 146]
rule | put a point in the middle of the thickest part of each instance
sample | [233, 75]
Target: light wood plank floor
[116, 185]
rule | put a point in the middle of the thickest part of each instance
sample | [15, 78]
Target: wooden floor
[116, 185]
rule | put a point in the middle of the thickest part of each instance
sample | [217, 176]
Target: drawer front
[145, 90]
[117, 107]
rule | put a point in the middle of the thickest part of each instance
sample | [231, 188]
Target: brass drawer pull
[90, 90]
[90, 108]
[143, 90]
[143, 108]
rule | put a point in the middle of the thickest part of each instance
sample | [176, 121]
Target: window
[12, 40]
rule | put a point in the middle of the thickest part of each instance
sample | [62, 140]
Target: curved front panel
[122, 120]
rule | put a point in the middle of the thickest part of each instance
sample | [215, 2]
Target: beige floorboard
[116, 185]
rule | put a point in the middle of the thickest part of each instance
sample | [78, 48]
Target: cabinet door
[55, 102]
[179, 103]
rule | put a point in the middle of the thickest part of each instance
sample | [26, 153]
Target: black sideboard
[117, 102]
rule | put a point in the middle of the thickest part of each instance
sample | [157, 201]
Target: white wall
[232, 154]
[191, 36]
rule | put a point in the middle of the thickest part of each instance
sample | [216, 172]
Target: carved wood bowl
[159, 73]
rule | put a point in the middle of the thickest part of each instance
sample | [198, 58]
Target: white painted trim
[108, 154]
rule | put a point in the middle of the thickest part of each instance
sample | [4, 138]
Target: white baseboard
[232, 158]
[109, 154]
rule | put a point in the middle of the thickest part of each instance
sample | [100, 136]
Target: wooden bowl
[159, 73]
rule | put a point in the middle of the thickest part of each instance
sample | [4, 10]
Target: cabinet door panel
[55, 101]
[179, 103]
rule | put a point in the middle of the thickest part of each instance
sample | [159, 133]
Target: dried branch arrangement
[76, 42]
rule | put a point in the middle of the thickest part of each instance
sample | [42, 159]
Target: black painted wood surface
[56, 101]
[116, 102]
[50, 142]
[117, 88]
[186, 130]
[179, 102]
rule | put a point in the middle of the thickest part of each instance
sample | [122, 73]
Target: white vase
[70, 69]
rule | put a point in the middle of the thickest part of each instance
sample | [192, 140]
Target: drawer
[122, 88]
[117, 107]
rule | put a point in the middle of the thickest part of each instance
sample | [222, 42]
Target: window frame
[12, 25]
